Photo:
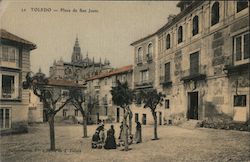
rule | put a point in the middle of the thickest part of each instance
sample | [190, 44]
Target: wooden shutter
[194, 63]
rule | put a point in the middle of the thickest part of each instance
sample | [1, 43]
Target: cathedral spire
[76, 55]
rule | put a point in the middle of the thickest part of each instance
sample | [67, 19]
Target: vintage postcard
[122, 81]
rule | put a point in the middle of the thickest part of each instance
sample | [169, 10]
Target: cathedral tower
[76, 55]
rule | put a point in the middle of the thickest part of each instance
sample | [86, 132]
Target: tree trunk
[155, 126]
[85, 134]
[130, 124]
[52, 132]
[125, 129]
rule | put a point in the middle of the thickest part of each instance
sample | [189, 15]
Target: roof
[9, 36]
[191, 7]
[176, 19]
[123, 69]
[64, 83]
[142, 39]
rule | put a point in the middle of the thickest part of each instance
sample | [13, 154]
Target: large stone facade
[202, 61]
[14, 65]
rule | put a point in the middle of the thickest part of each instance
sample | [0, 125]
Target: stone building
[99, 87]
[14, 65]
[201, 61]
[144, 72]
[79, 68]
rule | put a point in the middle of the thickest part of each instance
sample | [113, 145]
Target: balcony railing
[232, 69]
[138, 61]
[97, 87]
[165, 81]
[149, 57]
[8, 93]
[194, 74]
[144, 84]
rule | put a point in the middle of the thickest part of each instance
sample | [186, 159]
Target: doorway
[192, 105]
[144, 119]
[117, 115]
[160, 118]
[136, 117]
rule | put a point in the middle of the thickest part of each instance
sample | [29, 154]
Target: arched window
[139, 55]
[241, 5]
[215, 13]
[180, 34]
[168, 41]
[195, 25]
[150, 52]
[150, 49]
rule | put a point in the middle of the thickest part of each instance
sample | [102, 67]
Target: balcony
[97, 87]
[9, 94]
[144, 84]
[139, 61]
[236, 69]
[165, 82]
[194, 74]
[149, 57]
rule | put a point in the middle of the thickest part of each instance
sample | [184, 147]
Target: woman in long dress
[110, 142]
[138, 138]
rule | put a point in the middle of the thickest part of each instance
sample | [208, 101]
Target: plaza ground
[175, 144]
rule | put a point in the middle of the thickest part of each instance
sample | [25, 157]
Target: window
[241, 48]
[144, 76]
[144, 119]
[106, 110]
[9, 53]
[105, 99]
[240, 101]
[136, 117]
[167, 104]
[168, 41]
[76, 112]
[65, 93]
[9, 87]
[5, 118]
[241, 5]
[194, 63]
[139, 55]
[180, 34]
[150, 52]
[215, 13]
[64, 112]
[167, 72]
[195, 25]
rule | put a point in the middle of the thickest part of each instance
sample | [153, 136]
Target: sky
[105, 32]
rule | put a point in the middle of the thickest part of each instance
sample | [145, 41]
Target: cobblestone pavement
[175, 144]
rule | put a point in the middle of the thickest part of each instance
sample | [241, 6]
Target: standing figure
[121, 128]
[110, 142]
[138, 138]
[95, 140]
[102, 134]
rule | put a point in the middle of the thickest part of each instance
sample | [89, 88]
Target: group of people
[99, 140]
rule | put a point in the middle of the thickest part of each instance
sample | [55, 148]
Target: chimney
[171, 17]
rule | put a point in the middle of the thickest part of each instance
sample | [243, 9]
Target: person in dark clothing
[110, 142]
[99, 128]
[138, 133]
[95, 140]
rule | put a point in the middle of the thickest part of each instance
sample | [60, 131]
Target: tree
[122, 96]
[151, 98]
[50, 98]
[78, 99]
